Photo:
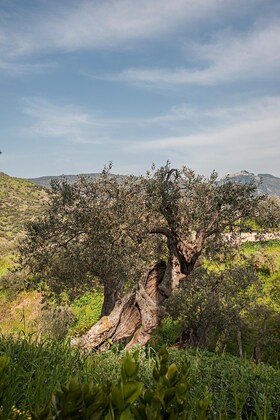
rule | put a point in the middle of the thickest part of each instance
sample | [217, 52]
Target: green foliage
[128, 398]
[107, 230]
[233, 306]
[4, 363]
[168, 333]
[269, 213]
[88, 236]
[56, 321]
[210, 306]
[13, 282]
[87, 310]
[169, 397]
[145, 385]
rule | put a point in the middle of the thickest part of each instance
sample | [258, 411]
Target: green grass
[87, 310]
[235, 388]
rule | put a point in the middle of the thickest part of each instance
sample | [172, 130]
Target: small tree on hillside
[130, 223]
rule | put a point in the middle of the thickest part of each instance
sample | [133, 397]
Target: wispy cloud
[68, 122]
[239, 136]
[229, 57]
[90, 25]
[17, 68]
[244, 136]
[76, 124]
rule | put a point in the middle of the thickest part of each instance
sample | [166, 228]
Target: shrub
[56, 321]
[13, 282]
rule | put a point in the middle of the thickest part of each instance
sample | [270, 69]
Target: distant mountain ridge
[45, 181]
[265, 183]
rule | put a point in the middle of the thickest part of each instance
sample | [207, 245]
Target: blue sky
[86, 82]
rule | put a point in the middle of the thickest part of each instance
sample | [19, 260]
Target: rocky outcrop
[265, 183]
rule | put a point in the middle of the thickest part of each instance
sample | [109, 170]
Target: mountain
[45, 181]
[20, 201]
[265, 183]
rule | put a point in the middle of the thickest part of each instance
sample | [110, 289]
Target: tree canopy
[146, 233]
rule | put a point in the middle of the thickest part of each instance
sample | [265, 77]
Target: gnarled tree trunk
[139, 312]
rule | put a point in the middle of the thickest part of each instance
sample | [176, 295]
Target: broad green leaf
[129, 367]
[127, 415]
[169, 394]
[118, 397]
[131, 391]
[172, 372]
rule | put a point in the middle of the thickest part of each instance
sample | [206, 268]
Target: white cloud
[181, 117]
[52, 120]
[255, 109]
[15, 68]
[92, 25]
[61, 121]
[243, 56]
[242, 136]
[227, 139]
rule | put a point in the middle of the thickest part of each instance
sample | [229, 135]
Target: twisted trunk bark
[139, 312]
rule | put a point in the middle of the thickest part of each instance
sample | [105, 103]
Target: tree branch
[162, 231]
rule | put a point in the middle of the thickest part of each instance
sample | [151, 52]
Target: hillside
[20, 200]
[265, 183]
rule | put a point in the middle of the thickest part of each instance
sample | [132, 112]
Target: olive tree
[148, 232]
[193, 215]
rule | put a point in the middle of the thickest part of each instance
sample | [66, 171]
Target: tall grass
[235, 388]
[35, 369]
